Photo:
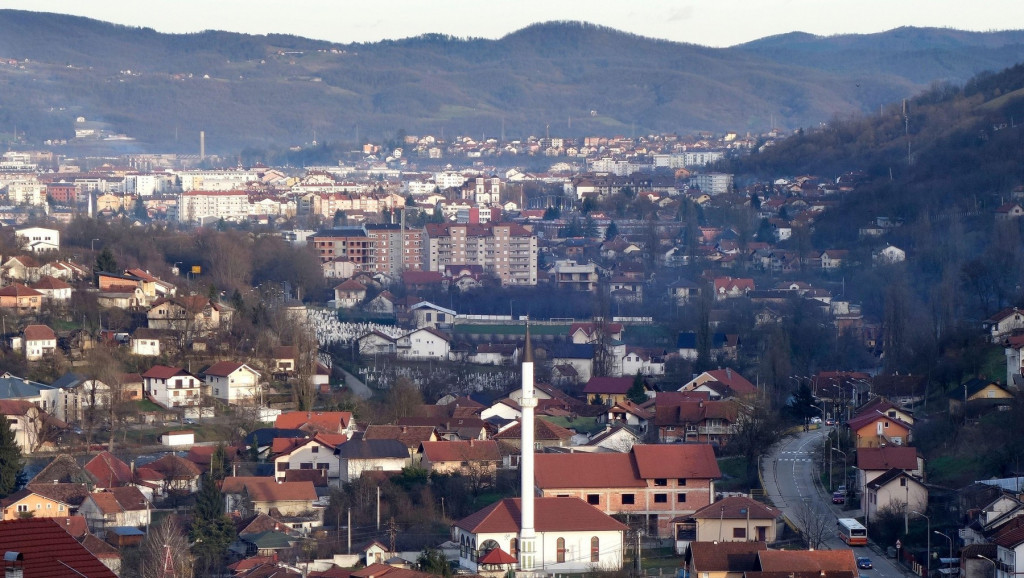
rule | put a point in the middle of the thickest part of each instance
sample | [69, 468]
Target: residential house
[260, 495]
[662, 484]
[192, 315]
[495, 354]
[145, 342]
[424, 343]
[695, 420]
[122, 506]
[172, 386]
[1003, 324]
[734, 519]
[39, 341]
[1009, 549]
[331, 422]
[609, 390]
[109, 471]
[643, 361]
[315, 453]
[411, 436]
[595, 333]
[722, 346]
[27, 422]
[875, 462]
[22, 268]
[377, 343]
[903, 390]
[571, 536]
[722, 559]
[33, 542]
[721, 384]
[81, 395]
[349, 294]
[834, 258]
[1009, 211]
[21, 299]
[875, 429]
[232, 382]
[546, 435]
[684, 292]
[284, 359]
[628, 413]
[895, 490]
[616, 437]
[470, 458]
[889, 255]
[55, 290]
[981, 396]
[569, 274]
[731, 288]
[380, 455]
[29, 503]
[824, 563]
[426, 314]
[571, 363]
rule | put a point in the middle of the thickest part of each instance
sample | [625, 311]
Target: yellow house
[736, 519]
[26, 503]
[981, 396]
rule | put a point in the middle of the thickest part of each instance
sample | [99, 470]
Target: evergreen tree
[611, 232]
[105, 261]
[212, 531]
[637, 393]
[11, 472]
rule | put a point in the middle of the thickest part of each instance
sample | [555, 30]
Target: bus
[852, 532]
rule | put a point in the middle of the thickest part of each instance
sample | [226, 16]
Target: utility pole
[349, 530]
[378, 508]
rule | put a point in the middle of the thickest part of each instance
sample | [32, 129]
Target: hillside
[258, 91]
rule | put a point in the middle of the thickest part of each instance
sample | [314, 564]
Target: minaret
[527, 545]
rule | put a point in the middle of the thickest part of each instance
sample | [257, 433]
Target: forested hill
[247, 91]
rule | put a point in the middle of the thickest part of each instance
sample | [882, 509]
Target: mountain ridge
[276, 90]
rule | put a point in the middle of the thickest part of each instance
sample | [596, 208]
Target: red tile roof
[676, 461]
[50, 283]
[18, 290]
[410, 435]
[807, 561]
[886, 458]
[328, 421]
[724, 556]
[39, 333]
[49, 551]
[267, 490]
[608, 385]
[164, 372]
[736, 382]
[737, 508]
[223, 368]
[551, 515]
[586, 470]
[108, 470]
[543, 431]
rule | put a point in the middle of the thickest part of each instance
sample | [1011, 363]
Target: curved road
[789, 473]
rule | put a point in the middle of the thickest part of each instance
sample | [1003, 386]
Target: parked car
[864, 563]
[838, 497]
[815, 420]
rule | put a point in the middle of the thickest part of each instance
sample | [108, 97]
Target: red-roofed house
[338, 422]
[729, 287]
[109, 471]
[124, 506]
[40, 342]
[349, 294]
[665, 483]
[231, 381]
[308, 454]
[875, 429]
[734, 519]
[43, 548]
[171, 386]
[738, 386]
[53, 288]
[572, 536]
[608, 390]
[594, 332]
[20, 298]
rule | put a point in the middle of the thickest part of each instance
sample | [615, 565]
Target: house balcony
[716, 430]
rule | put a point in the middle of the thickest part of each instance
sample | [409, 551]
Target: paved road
[359, 388]
[789, 474]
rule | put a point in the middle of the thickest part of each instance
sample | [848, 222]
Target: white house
[39, 239]
[40, 342]
[375, 342]
[642, 361]
[171, 386]
[55, 290]
[145, 342]
[231, 382]
[571, 536]
[357, 456]
[889, 255]
[121, 506]
[424, 343]
[426, 314]
[307, 454]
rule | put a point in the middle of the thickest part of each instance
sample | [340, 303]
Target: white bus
[852, 532]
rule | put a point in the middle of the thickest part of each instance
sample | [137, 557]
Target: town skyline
[714, 25]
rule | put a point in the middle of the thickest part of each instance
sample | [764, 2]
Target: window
[22, 507]
[595, 549]
[681, 497]
[681, 481]
[513, 547]
[903, 482]
[594, 499]
[560, 551]
[306, 466]
[628, 499]
[886, 424]
[660, 482]
[323, 466]
[660, 498]
[315, 449]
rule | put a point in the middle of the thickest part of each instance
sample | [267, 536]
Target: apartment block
[506, 250]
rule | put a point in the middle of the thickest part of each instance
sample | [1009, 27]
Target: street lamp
[995, 567]
[950, 545]
[844, 464]
[92, 244]
[928, 558]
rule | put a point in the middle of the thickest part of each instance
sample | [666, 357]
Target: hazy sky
[706, 22]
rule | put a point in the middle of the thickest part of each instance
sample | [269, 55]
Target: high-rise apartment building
[383, 248]
[506, 250]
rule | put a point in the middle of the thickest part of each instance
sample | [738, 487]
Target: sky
[706, 22]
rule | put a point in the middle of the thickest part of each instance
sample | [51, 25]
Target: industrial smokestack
[202, 145]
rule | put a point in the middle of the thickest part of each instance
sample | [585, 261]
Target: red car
[838, 498]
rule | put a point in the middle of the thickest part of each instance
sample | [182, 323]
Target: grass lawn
[993, 366]
[734, 475]
[587, 425]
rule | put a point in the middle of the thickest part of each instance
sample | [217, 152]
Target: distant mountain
[569, 78]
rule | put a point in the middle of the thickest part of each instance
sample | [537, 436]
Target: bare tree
[164, 552]
[814, 525]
